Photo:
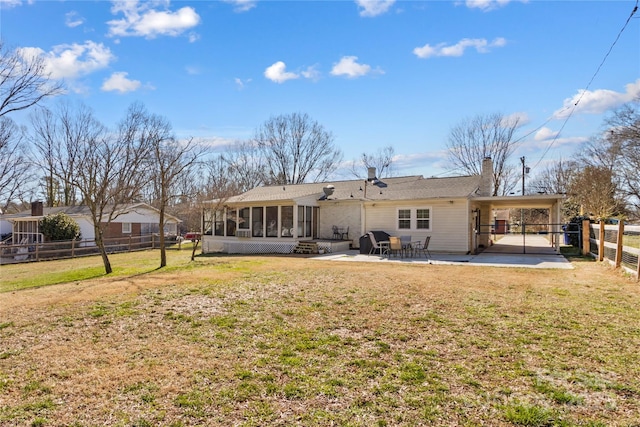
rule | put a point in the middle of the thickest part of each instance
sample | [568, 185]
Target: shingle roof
[398, 188]
[84, 210]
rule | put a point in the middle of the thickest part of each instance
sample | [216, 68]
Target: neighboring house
[273, 219]
[136, 219]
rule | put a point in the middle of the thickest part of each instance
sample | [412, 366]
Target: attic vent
[328, 190]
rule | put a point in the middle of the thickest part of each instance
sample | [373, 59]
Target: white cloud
[241, 84]
[520, 119]
[193, 70]
[597, 101]
[371, 8]
[119, 82]
[480, 45]
[311, 73]
[545, 134]
[348, 66]
[72, 19]
[487, 5]
[8, 4]
[277, 73]
[74, 60]
[141, 19]
[242, 5]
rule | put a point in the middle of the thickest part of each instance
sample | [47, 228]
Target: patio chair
[345, 234]
[406, 244]
[395, 247]
[336, 232]
[423, 247]
[376, 246]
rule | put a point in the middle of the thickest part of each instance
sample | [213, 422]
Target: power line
[575, 105]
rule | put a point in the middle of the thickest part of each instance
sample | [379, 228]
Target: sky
[373, 73]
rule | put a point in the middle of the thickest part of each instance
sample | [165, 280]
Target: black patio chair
[423, 247]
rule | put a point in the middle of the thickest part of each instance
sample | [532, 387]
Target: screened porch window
[258, 225]
[272, 221]
[243, 218]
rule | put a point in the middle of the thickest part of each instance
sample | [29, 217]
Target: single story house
[135, 219]
[455, 211]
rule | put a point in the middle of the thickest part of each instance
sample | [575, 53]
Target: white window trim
[126, 228]
[414, 219]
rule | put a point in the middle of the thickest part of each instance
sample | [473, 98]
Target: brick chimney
[37, 209]
[486, 178]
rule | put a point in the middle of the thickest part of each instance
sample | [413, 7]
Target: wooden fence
[618, 244]
[11, 254]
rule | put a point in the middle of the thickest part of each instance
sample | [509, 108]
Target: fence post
[638, 270]
[601, 242]
[586, 246]
[73, 247]
[619, 243]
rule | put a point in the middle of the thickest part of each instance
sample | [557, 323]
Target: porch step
[306, 248]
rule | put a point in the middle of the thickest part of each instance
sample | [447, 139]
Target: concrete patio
[539, 255]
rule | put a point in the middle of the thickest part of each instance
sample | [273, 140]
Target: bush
[59, 226]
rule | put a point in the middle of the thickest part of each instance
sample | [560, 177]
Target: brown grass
[259, 341]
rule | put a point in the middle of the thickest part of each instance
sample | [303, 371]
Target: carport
[541, 238]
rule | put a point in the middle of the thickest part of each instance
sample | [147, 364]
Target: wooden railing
[618, 244]
[10, 254]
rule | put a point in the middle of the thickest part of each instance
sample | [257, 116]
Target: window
[300, 221]
[404, 219]
[232, 222]
[243, 218]
[422, 219]
[258, 229]
[287, 221]
[126, 228]
[307, 221]
[414, 219]
[272, 221]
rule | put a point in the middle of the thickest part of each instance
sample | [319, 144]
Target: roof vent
[328, 190]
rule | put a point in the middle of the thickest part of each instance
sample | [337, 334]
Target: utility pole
[523, 172]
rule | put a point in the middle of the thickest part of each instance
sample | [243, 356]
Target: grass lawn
[285, 340]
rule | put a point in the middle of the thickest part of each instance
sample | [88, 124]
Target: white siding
[343, 215]
[449, 223]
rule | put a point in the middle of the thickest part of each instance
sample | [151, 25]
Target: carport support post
[586, 247]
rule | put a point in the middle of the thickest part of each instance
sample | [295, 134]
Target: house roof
[79, 211]
[396, 188]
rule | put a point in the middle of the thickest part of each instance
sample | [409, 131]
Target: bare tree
[593, 188]
[57, 136]
[111, 170]
[15, 169]
[24, 80]
[170, 160]
[296, 149]
[246, 165]
[382, 160]
[624, 139]
[556, 178]
[474, 139]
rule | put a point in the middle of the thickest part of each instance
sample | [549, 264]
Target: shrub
[59, 226]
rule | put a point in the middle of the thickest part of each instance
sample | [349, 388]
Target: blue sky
[374, 73]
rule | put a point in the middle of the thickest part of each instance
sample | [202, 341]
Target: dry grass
[256, 341]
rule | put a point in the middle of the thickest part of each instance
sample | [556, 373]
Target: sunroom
[263, 228]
